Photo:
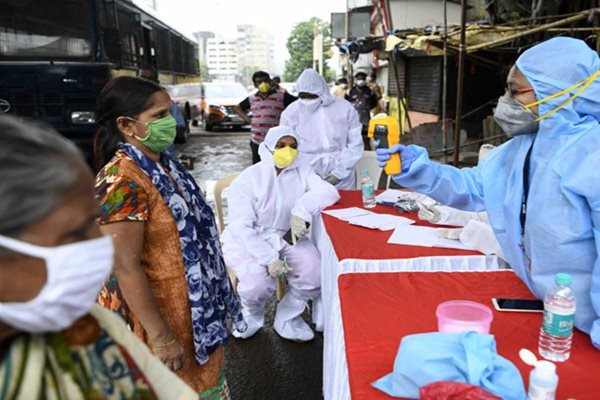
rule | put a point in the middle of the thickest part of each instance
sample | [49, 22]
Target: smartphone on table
[518, 305]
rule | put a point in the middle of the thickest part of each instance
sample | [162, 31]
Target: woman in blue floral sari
[170, 282]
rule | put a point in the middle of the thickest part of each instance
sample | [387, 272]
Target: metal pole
[388, 12]
[445, 86]
[346, 33]
[459, 86]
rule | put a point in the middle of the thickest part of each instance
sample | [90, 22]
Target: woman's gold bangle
[164, 345]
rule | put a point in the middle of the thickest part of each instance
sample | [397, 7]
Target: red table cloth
[378, 309]
[356, 242]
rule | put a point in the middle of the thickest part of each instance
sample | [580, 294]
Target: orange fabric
[162, 261]
[355, 242]
[378, 309]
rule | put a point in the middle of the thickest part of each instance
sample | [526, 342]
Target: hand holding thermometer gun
[385, 131]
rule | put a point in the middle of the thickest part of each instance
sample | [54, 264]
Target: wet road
[264, 367]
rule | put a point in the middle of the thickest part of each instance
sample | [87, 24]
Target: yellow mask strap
[584, 85]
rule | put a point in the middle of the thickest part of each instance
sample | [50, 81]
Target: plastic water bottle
[543, 381]
[367, 189]
[556, 334]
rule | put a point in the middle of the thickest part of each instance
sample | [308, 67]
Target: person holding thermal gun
[540, 189]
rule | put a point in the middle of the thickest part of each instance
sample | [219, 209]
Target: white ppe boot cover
[288, 319]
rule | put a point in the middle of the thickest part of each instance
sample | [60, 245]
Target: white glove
[330, 178]
[278, 268]
[299, 228]
[453, 234]
[429, 214]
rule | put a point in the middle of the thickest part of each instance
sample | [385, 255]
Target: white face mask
[311, 104]
[361, 82]
[75, 274]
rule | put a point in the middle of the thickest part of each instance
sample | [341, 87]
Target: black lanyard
[525, 190]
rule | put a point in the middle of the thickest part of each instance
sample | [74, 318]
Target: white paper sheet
[368, 219]
[346, 213]
[389, 196]
[423, 236]
[383, 222]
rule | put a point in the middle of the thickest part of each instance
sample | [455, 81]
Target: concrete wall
[407, 14]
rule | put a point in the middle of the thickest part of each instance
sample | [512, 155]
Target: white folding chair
[368, 161]
[220, 186]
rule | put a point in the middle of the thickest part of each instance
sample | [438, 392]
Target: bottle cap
[545, 368]
[563, 279]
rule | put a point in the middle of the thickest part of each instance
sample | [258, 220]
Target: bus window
[50, 30]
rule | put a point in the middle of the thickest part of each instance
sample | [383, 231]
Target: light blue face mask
[514, 118]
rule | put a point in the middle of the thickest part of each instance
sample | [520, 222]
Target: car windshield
[188, 91]
[45, 29]
[225, 90]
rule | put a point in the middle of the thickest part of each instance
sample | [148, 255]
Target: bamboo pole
[445, 86]
[459, 86]
[540, 28]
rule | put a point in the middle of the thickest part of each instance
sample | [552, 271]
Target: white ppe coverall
[329, 136]
[260, 206]
[562, 226]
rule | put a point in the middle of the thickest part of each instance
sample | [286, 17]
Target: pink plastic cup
[462, 315]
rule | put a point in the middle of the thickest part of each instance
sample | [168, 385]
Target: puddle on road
[215, 158]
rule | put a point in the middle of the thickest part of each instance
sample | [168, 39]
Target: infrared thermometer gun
[386, 133]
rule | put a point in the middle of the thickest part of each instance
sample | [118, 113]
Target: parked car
[188, 97]
[218, 102]
[210, 103]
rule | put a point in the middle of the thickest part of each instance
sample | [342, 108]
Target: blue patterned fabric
[210, 292]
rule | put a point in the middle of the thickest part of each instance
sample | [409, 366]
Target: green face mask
[161, 134]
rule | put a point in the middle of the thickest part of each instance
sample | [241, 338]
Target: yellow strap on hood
[584, 85]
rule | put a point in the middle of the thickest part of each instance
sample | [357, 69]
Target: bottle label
[539, 393]
[368, 191]
[556, 324]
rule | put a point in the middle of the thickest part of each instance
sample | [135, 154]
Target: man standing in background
[265, 106]
[377, 92]
[328, 131]
[340, 88]
[276, 83]
[363, 100]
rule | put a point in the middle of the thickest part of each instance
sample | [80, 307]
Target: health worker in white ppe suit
[328, 129]
[541, 189]
[266, 201]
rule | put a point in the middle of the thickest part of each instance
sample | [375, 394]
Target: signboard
[359, 25]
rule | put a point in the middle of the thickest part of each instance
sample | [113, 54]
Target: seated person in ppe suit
[540, 189]
[328, 129]
[265, 201]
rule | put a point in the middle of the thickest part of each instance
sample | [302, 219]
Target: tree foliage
[204, 74]
[300, 47]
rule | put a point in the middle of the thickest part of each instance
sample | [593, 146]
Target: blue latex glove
[407, 156]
